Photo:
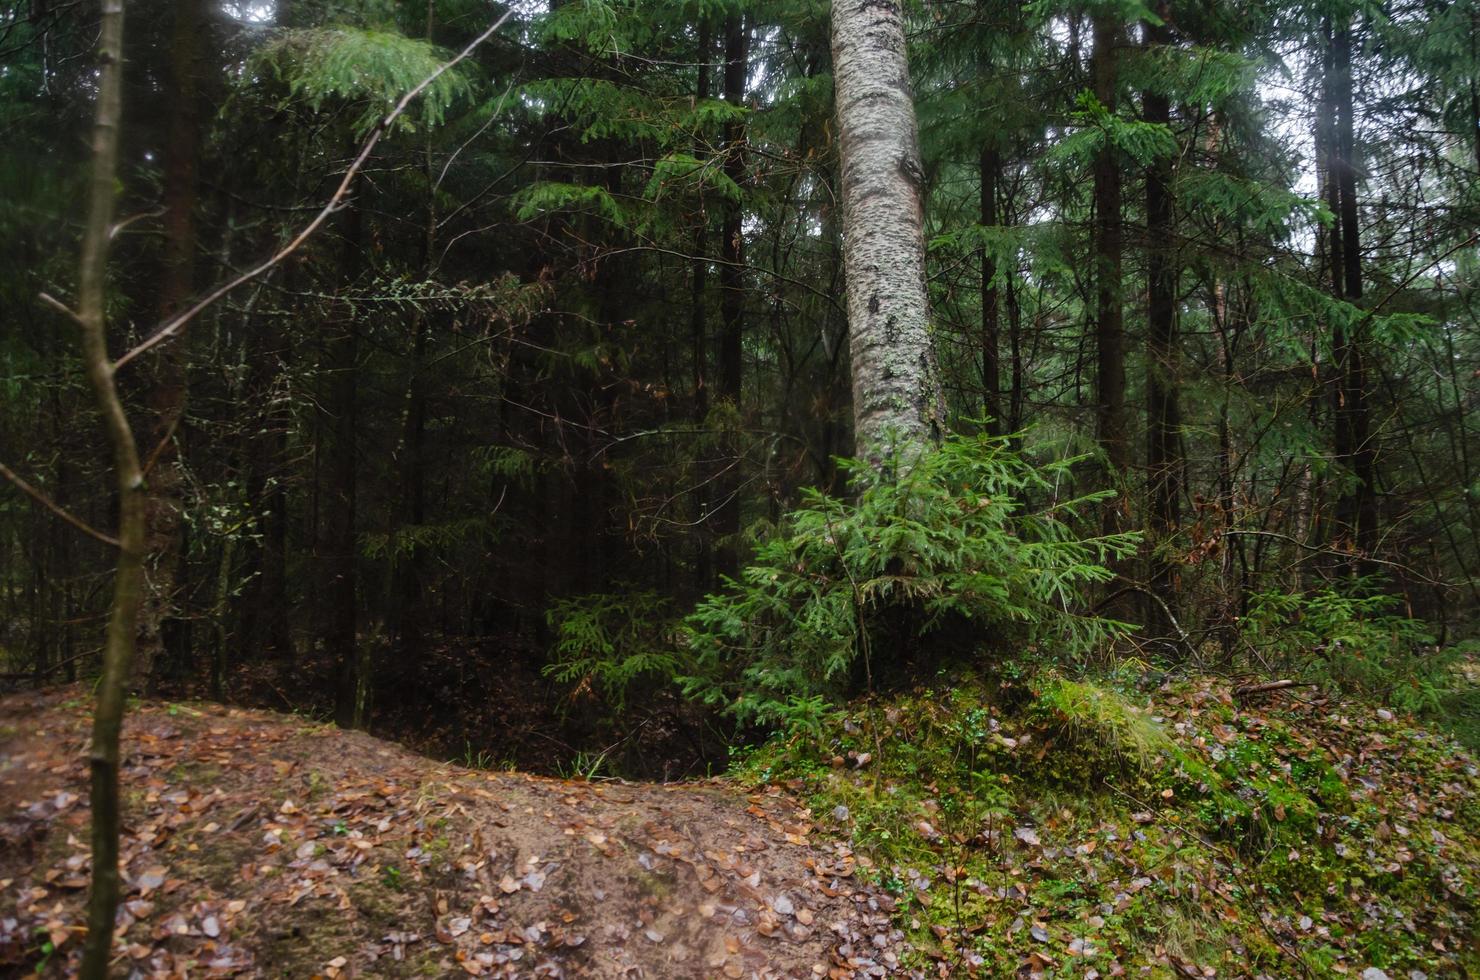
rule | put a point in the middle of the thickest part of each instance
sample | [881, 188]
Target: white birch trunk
[897, 402]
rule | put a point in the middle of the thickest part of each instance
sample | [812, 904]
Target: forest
[1022, 453]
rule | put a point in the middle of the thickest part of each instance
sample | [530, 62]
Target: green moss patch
[1062, 825]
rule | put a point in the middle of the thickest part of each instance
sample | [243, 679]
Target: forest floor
[1022, 825]
[259, 844]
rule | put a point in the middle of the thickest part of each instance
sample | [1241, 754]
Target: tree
[1163, 409]
[1356, 508]
[161, 620]
[1111, 424]
[732, 291]
[128, 576]
[897, 399]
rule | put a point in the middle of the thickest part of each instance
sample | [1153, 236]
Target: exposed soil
[263, 845]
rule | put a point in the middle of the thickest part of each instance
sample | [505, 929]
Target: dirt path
[259, 845]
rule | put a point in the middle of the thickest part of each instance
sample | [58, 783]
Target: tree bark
[161, 632]
[1163, 411]
[1110, 419]
[732, 299]
[118, 648]
[898, 405]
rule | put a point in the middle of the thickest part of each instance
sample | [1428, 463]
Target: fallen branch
[1182, 638]
[1252, 690]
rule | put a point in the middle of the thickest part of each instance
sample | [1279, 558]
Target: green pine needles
[364, 68]
[612, 644]
[1354, 638]
[969, 548]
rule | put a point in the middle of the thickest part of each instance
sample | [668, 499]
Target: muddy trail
[264, 845]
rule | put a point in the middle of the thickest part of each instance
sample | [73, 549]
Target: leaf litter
[258, 845]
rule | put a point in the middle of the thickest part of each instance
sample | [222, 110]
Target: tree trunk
[990, 165]
[1110, 419]
[266, 614]
[898, 405]
[699, 341]
[128, 580]
[732, 300]
[1016, 412]
[161, 634]
[338, 548]
[1163, 465]
[406, 621]
[1356, 508]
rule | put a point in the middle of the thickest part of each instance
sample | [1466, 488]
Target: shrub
[606, 643]
[930, 558]
[1352, 639]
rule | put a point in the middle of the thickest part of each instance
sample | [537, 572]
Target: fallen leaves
[252, 836]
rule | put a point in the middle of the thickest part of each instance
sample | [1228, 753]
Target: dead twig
[1253, 690]
[56, 508]
[174, 327]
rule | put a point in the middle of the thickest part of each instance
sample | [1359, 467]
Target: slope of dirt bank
[263, 845]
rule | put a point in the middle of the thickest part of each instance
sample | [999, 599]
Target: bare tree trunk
[1111, 425]
[266, 629]
[1163, 467]
[699, 339]
[898, 405]
[1356, 509]
[732, 299]
[160, 628]
[989, 167]
[406, 623]
[118, 648]
[1015, 411]
[342, 357]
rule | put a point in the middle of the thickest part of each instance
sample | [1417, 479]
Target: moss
[196, 774]
[1066, 806]
[1104, 725]
[217, 861]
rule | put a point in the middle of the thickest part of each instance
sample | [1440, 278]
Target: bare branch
[56, 508]
[61, 307]
[159, 449]
[174, 327]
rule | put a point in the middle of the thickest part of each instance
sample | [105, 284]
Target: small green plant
[961, 543]
[47, 949]
[585, 766]
[391, 877]
[476, 758]
[609, 644]
[1353, 639]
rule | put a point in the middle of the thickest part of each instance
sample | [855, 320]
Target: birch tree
[897, 401]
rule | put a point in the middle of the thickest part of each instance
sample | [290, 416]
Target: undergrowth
[1351, 637]
[962, 549]
[1034, 821]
